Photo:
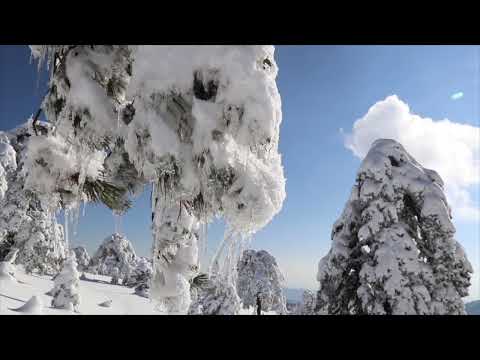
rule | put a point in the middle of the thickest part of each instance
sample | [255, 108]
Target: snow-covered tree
[141, 277]
[66, 294]
[393, 248]
[201, 123]
[307, 305]
[8, 162]
[7, 269]
[82, 257]
[115, 257]
[214, 296]
[115, 274]
[26, 223]
[260, 277]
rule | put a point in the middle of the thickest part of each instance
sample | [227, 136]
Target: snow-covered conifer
[260, 276]
[307, 305]
[82, 257]
[115, 273]
[214, 296]
[66, 294]
[141, 277]
[7, 269]
[393, 248]
[26, 222]
[115, 257]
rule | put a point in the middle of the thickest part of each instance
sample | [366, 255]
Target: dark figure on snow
[259, 305]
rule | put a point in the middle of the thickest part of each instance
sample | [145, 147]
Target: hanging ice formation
[199, 122]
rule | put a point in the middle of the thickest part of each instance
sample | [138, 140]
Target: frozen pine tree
[114, 273]
[8, 162]
[307, 305]
[141, 277]
[199, 123]
[260, 277]
[7, 269]
[115, 257]
[26, 223]
[393, 248]
[214, 296]
[82, 257]
[66, 294]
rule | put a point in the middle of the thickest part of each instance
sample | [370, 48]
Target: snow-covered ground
[94, 291]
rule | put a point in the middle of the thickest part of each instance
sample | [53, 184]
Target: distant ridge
[293, 295]
[473, 307]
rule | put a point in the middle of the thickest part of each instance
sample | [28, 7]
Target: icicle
[229, 259]
[115, 227]
[200, 242]
[120, 223]
[76, 217]
[117, 221]
[205, 245]
[66, 229]
[214, 266]
[153, 197]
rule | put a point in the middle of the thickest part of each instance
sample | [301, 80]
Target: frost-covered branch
[200, 123]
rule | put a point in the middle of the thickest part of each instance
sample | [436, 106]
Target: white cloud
[457, 96]
[450, 148]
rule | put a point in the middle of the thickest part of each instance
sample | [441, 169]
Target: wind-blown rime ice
[393, 248]
[259, 275]
[26, 223]
[199, 122]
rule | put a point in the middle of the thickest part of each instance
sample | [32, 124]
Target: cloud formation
[457, 96]
[452, 149]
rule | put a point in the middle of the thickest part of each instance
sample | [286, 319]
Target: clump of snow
[55, 166]
[7, 272]
[259, 278]
[83, 277]
[106, 304]
[115, 257]
[398, 212]
[34, 306]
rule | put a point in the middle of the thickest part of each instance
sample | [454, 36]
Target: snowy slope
[94, 291]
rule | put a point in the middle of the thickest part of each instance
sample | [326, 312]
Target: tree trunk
[259, 306]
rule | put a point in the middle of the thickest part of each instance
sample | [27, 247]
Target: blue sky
[324, 89]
